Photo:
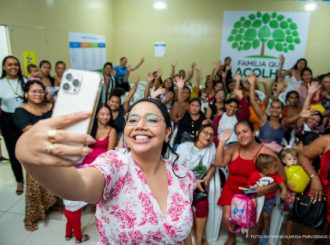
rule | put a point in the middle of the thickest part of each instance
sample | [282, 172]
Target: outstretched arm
[256, 107]
[173, 69]
[131, 93]
[150, 78]
[279, 71]
[138, 65]
[191, 73]
[305, 112]
[180, 82]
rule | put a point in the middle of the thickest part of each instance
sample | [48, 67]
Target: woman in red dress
[240, 159]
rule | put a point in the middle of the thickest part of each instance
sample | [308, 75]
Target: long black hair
[95, 123]
[295, 67]
[51, 79]
[166, 146]
[19, 73]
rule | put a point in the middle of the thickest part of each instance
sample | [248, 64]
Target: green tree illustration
[266, 30]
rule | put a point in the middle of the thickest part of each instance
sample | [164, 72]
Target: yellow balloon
[297, 178]
[317, 107]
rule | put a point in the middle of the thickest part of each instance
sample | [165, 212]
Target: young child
[34, 72]
[289, 157]
[267, 173]
[72, 212]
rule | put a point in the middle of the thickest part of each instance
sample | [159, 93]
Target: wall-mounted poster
[255, 40]
[160, 49]
[87, 51]
[29, 57]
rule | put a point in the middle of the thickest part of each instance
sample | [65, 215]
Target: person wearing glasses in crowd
[199, 156]
[148, 198]
[35, 108]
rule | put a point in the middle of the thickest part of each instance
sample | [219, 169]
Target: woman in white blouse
[11, 97]
[199, 157]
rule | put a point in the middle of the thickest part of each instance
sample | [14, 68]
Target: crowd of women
[241, 125]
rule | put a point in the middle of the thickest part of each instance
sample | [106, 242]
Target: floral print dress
[128, 212]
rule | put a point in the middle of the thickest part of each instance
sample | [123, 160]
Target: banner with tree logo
[255, 40]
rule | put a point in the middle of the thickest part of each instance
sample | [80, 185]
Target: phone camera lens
[76, 83]
[66, 86]
[68, 77]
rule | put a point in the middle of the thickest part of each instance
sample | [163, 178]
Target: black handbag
[199, 195]
[307, 213]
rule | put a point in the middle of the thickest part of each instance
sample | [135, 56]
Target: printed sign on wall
[87, 51]
[255, 40]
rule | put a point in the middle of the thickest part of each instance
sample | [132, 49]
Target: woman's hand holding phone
[46, 143]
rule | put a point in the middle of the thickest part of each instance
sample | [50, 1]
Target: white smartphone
[79, 91]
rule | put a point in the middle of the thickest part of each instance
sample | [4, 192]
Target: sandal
[29, 226]
[84, 239]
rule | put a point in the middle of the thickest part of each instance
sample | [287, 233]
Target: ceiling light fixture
[160, 5]
[311, 6]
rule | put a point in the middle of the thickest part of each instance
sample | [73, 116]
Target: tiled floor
[51, 231]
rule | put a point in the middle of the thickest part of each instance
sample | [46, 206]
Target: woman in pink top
[141, 198]
[105, 136]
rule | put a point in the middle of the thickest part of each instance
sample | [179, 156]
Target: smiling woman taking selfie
[141, 198]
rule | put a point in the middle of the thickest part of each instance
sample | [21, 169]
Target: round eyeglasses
[150, 119]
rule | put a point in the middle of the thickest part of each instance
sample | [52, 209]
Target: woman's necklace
[15, 91]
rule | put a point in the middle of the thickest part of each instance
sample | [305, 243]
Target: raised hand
[307, 113]
[252, 78]
[225, 135]
[238, 93]
[313, 87]
[174, 64]
[215, 65]
[237, 76]
[156, 92]
[179, 82]
[129, 68]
